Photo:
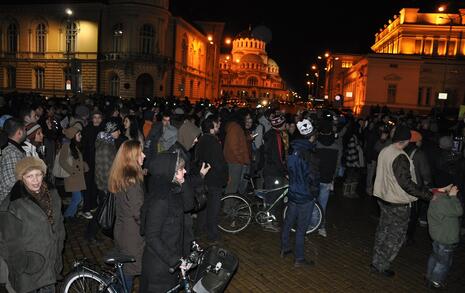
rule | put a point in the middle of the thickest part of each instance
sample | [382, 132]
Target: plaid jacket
[11, 154]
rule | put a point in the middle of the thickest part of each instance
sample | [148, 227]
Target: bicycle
[86, 277]
[236, 212]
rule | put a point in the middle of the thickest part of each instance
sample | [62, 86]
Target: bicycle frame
[107, 277]
[281, 196]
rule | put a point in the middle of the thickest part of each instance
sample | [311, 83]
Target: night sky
[303, 29]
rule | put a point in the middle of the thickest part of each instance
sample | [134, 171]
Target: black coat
[274, 161]
[209, 150]
[31, 247]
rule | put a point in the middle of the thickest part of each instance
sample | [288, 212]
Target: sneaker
[435, 285]
[322, 232]
[387, 273]
[304, 263]
[423, 223]
[87, 215]
[271, 227]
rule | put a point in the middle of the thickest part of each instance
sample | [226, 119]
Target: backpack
[299, 169]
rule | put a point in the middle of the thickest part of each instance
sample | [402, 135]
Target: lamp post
[69, 28]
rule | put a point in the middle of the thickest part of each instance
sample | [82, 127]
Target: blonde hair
[125, 170]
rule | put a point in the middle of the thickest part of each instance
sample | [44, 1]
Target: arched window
[114, 85]
[117, 38]
[184, 52]
[40, 78]
[252, 81]
[147, 34]
[40, 38]
[71, 32]
[12, 38]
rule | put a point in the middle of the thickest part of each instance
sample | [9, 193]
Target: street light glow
[209, 38]
[227, 41]
[69, 11]
[313, 67]
[441, 8]
[326, 55]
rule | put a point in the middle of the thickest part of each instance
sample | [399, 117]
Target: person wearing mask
[163, 223]
[71, 161]
[11, 154]
[209, 150]
[31, 230]
[126, 181]
[304, 186]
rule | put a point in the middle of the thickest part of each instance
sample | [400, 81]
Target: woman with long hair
[132, 130]
[71, 160]
[125, 181]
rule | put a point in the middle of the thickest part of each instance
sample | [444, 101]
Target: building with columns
[248, 74]
[416, 56]
[127, 48]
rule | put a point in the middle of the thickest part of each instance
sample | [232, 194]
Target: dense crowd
[167, 163]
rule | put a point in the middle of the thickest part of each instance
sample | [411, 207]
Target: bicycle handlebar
[175, 267]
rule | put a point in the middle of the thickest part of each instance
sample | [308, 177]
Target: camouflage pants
[390, 234]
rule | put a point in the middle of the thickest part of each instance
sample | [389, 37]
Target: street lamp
[68, 35]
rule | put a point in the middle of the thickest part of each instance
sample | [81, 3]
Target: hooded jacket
[163, 226]
[329, 154]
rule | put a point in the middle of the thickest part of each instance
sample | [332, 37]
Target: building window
[12, 41]
[11, 77]
[451, 48]
[346, 64]
[417, 46]
[117, 38]
[391, 93]
[68, 78]
[428, 96]
[114, 85]
[184, 52]
[393, 65]
[40, 38]
[147, 35]
[71, 32]
[252, 81]
[420, 96]
[40, 78]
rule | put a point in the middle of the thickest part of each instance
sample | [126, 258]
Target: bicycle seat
[115, 258]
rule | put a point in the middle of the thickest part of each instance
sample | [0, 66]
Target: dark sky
[303, 29]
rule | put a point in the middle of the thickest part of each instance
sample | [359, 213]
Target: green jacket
[443, 219]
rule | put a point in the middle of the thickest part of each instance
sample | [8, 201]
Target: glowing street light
[227, 41]
[68, 11]
[210, 38]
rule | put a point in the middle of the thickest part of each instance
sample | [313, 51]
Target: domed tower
[246, 43]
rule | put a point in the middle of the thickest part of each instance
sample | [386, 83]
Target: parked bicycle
[236, 212]
[214, 269]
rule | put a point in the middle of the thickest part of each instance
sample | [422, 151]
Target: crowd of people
[168, 162]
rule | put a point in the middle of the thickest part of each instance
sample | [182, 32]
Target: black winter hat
[401, 133]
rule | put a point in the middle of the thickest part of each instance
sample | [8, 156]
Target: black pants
[207, 220]
[93, 226]
[91, 192]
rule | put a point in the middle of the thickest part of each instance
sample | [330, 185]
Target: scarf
[44, 200]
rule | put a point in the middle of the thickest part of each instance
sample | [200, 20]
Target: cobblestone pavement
[342, 259]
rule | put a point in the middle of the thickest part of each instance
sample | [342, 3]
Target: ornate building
[247, 73]
[128, 48]
[416, 57]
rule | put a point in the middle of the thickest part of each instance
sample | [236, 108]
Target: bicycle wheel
[235, 214]
[85, 282]
[317, 218]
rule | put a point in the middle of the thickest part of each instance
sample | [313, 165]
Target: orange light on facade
[326, 55]
[227, 57]
[210, 38]
[227, 41]
[237, 60]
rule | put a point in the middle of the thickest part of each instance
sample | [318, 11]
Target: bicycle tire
[85, 282]
[317, 218]
[235, 214]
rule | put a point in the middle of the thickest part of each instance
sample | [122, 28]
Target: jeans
[302, 213]
[323, 200]
[129, 280]
[440, 262]
[236, 173]
[73, 205]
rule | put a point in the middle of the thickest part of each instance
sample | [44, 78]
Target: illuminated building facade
[121, 48]
[409, 66]
[248, 74]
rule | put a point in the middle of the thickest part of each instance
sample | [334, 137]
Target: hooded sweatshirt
[329, 154]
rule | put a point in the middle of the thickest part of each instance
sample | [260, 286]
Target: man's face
[31, 118]
[39, 111]
[96, 119]
[166, 121]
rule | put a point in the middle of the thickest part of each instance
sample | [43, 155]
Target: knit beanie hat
[28, 164]
[71, 132]
[277, 120]
[112, 125]
[31, 130]
[401, 133]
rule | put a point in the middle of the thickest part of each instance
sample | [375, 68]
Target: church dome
[251, 58]
[271, 62]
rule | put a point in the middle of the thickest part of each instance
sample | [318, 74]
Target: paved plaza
[342, 259]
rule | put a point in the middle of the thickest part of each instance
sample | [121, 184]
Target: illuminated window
[114, 85]
[71, 32]
[451, 49]
[417, 46]
[11, 77]
[184, 52]
[391, 93]
[147, 35]
[40, 38]
[117, 38]
[68, 78]
[40, 78]
[346, 64]
[12, 38]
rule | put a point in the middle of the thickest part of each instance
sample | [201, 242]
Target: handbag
[58, 170]
[107, 213]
